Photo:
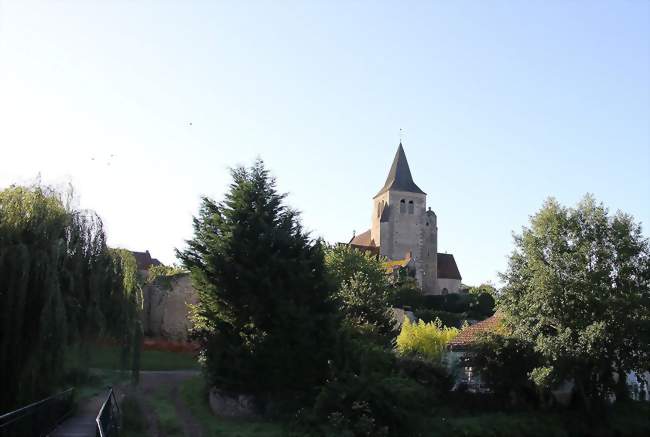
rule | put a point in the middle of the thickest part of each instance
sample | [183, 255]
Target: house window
[402, 206]
[411, 207]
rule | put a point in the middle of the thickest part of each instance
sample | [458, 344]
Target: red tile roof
[470, 334]
[362, 239]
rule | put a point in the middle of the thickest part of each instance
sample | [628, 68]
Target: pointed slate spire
[399, 177]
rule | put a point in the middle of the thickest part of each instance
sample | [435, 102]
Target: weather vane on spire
[401, 135]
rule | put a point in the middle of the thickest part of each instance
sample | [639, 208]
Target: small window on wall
[402, 206]
[411, 207]
[445, 291]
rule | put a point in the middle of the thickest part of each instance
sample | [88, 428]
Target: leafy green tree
[577, 286]
[344, 262]
[486, 287]
[265, 317]
[59, 285]
[363, 303]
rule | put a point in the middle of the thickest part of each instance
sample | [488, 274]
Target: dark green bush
[407, 294]
[476, 306]
[424, 372]
[448, 319]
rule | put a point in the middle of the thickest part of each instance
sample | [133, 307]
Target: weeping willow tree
[59, 285]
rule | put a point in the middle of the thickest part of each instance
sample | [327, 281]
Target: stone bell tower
[401, 225]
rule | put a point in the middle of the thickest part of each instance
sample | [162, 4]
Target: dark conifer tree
[265, 316]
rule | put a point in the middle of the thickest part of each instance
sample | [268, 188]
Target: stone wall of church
[452, 285]
[407, 218]
[166, 313]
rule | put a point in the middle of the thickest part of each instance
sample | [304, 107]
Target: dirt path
[152, 383]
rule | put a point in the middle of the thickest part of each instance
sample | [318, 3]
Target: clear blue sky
[503, 104]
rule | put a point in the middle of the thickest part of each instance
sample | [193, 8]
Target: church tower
[402, 226]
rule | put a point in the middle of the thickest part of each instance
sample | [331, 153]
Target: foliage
[59, 285]
[477, 306]
[163, 275]
[454, 320]
[363, 292]
[425, 339]
[504, 364]
[363, 303]
[343, 262]
[486, 287]
[370, 393]
[577, 286]
[265, 318]
[406, 293]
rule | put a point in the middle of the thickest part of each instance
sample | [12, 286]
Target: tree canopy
[59, 284]
[265, 316]
[577, 286]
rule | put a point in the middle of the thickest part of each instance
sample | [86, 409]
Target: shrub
[407, 294]
[505, 364]
[425, 339]
[454, 320]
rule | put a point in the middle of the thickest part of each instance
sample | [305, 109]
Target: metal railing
[39, 418]
[109, 417]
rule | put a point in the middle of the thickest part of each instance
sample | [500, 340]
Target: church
[405, 232]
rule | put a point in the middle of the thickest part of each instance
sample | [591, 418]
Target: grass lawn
[624, 419]
[195, 396]
[163, 404]
[108, 357]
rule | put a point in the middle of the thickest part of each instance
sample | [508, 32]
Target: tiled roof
[399, 177]
[362, 239]
[469, 335]
[447, 268]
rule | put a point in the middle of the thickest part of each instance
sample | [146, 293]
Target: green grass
[133, 420]
[90, 383]
[624, 419]
[195, 396]
[163, 405]
[108, 357]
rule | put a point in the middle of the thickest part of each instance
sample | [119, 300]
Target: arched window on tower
[445, 291]
[378, 208]
[411, 207]
[402, 206]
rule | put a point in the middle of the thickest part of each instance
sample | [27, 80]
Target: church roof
[399, 177]
[447, 268]
[362, 239]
